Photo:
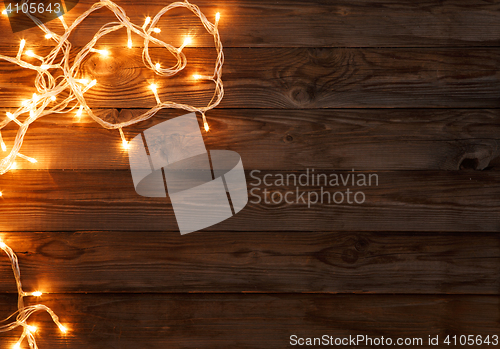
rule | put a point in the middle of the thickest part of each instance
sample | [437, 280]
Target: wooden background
[407, 89]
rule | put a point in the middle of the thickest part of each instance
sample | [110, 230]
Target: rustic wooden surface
[255, 320]
[403, 201]
[312, 23]
[277, 262]
[292, 78]
[407, 90]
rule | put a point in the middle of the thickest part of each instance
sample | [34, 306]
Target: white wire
[24, 312]
[49, 87]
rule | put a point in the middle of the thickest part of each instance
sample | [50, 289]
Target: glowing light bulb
[83, 81]
[14, 166]
[45, 66]
[4, 12]
[196, 77]
[48, 36]
[30, 53]
[153, 87]
[103, 52]
[2, 244]
[35, 97]
[187, 41]
[32, 329]
[129, 44]
[21, 45]
[25, 103]
[79, 112]
[53, 98]
[217, 16]
[124, 140]
[13, 118]
[157, 30]
[92, 84]
[146, 22]
[63, 329]
[36, 294]
[16, 346]
[157, 66]
[32, 160]
[4, 148]
[206, 127]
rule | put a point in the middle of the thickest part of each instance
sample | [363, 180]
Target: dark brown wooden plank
[291, 78]
[333, 262]
[255, 321]
[364, 139]
[258, 23]
[465, 201]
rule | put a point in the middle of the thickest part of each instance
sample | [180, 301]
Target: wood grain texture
[253, 321]
[262, 262]
[406, 89]
[341, 139]
[403, 201]
[293, 78]
[260, 23]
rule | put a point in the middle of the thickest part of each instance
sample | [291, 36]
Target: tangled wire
[45, 101]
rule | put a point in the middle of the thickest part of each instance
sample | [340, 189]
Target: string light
[102, 52]
[32, 160]
[73, 87]
[186, 42]
[2, 144]
[124, 140]
[92, 84]
[146, 22]
[24, 312]
[154, 88]
[79, 112]
[21, 48]
[13, 118]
